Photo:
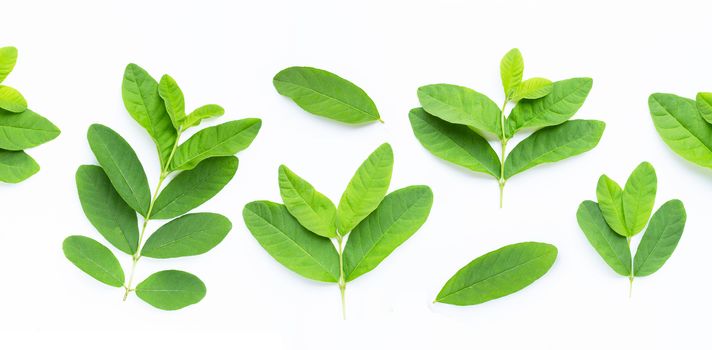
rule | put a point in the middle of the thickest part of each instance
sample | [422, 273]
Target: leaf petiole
[502, 180]
[342, 279]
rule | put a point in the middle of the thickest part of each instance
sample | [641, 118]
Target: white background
[72, 56]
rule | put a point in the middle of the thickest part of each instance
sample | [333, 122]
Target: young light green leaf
[552, 144]
[19, 131]
[454, 143]
[144, 104]
[638, 198]
[105, 209]
[191, 188]
[8, 58]
[121, 165]
[612, 247]
[609, 193]
[326, 94]
[289, 243]
[660, 238]
[312, 209]
[204, 112]
[682, 127]
[190, 234]
[704, 105]
[12, 100]
[172, 95]
[461, 105]
[511, 70]
[366, 189]
[220, 140]
[532, 89]
[399, 216]
[498, 273]
[171, 290]
[16, 166]
[564, 100]
[94, 259]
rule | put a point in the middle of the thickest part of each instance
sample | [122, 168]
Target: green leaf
[454, 143]
[121, 165]
[19, 131]
[94, 259]
[532, 88]
[682, 127]
[612, 247]
[461, 105]
[191, 188]
[144, 104]
[511, 69]
[204, 112]
[498, 273]
[220, 140]
[609, 194]
[172, 95]
[704, 105]
[105, 209]
[564, 100]
[16, 166]
[399, 216]
[171, 290]
[553, 144]
[190, 234]
[11, 100]
[8, 58]
[639, 197]
[366, 189]
[288, 242]
[326, 94]
[660, 238]
[312, 209]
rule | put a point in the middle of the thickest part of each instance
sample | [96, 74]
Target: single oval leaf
[12, 100]
[638, 197]
[312, 209]
[16, 166]
[203, 112]
[531, 89]
[94, 259]
[8, 58]
[174, 100]
[612, 247]
[461, 105]
[190, 234]
[704, 105]
[171, 290]
[608, 194]
[19, 131]
[511, 70]
[660, 238]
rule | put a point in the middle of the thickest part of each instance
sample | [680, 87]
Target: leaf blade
[511, 70]
[12, 100]
[638, 197]
[312, 209]
[609, 195]
[532, 89]
[8, 59]
[660, 238]
[188, 235]
[16, 166]
[171, 290]
[173, 99]
[94, 259]
[461, 105]
[611, 246]
[20, 131]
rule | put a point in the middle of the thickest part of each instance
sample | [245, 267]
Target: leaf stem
[631, 277]
[503, 140]
[342, 279]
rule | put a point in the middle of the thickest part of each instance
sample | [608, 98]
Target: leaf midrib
[375, 117]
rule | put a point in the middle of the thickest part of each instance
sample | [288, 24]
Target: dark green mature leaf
[682, 127]
[660, 238]
[105, 209]
[190, 234]
[704, 105]
[171, 290]
[498, 273]
[16, 166]
[8, 58]
[455, 143]
[220, 140]
[174, 100]
[95, 259]
[191, 188]
[511, 70]
[399, 216]
[531, 89]
[326, 94]
[638, 198]
[312, 209]
[121, 165]
[12, 100]
[461, 105]
[19, 131]
[366, 189]
[564, 100]
[144, 104]
[612, 247]
[553, 144]
[289, 243]
[203, 112]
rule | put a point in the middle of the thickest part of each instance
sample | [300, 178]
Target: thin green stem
[503, 140]
[342, 280]
[630, 278]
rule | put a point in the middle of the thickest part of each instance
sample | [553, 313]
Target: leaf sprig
[20, 127]
[307, 233]
[453, 118]
[622, 213]
[112, 193]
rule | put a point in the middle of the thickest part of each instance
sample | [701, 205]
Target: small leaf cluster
[453, 121]
[622, 213]
[115, 191]
[307, 233]
[20, 127]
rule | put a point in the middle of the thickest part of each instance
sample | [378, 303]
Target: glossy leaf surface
[8, 58]
[171, 290]
[174, 100]
[94, 259]
[511, 70]
[532, 88]
[660, 238]
[313, 210]
[639, 197]
[190, 234]
[12, 100]
[19, 131]
[16, 166]
[461, 105]
[612, 246]
[609, 195]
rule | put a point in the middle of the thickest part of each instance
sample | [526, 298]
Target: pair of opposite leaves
[20, 127]
[622, 213]
[452, 118]
[112, 193]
